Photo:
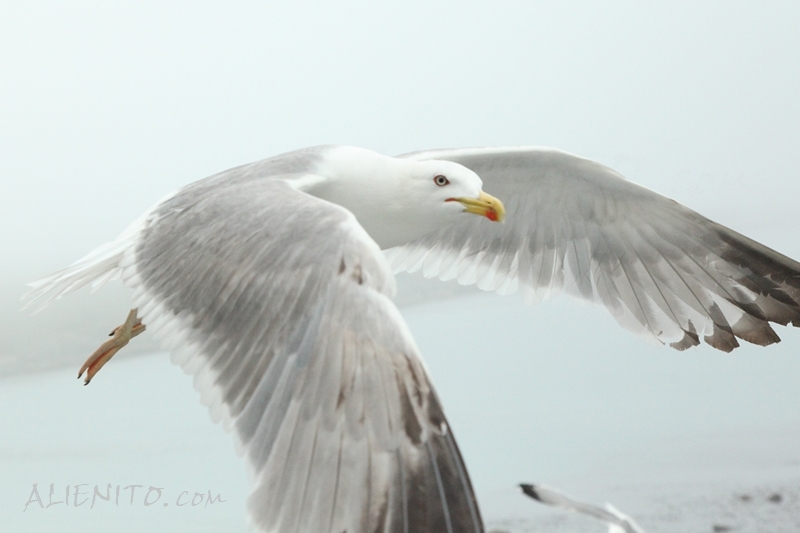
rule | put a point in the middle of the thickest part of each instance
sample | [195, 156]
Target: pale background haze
[105, 108]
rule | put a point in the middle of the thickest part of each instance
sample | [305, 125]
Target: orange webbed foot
[119, 338]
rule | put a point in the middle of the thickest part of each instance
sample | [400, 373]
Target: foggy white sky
[105, 108]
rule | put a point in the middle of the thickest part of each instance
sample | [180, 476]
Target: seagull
[272, 284]
[616, 520]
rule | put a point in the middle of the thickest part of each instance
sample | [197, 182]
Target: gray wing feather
[659, 268]
[279, 303]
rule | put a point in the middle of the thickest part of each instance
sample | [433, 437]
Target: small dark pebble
[775, 498]
[745, 497]
[718, 528]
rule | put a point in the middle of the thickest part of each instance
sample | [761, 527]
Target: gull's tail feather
[617, 521]
[102, 264]
[99, 266]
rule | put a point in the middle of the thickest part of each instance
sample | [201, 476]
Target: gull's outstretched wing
[658, 267]
[279, 304]
[616, 521]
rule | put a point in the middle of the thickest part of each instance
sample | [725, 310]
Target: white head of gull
[398, 200]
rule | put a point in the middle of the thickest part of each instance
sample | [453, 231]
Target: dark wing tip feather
[773, 282]
[690, 338]
[438, 493]
[743, 251]
[721, 340]
[530, 490]
[442, 484]
[766, 271]
[755, 331]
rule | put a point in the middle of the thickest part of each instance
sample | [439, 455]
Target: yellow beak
[485, 205]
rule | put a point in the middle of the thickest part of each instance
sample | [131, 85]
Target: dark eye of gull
[440, 180]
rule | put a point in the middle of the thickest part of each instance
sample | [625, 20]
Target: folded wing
[659, 268]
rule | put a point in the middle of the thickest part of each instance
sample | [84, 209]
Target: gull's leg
[119, 338]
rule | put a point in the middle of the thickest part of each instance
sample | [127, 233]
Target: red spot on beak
[491, 214]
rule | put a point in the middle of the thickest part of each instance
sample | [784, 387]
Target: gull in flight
[617, 521]
[272, 284]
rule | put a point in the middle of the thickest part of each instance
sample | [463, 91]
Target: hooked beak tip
[484, 205]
